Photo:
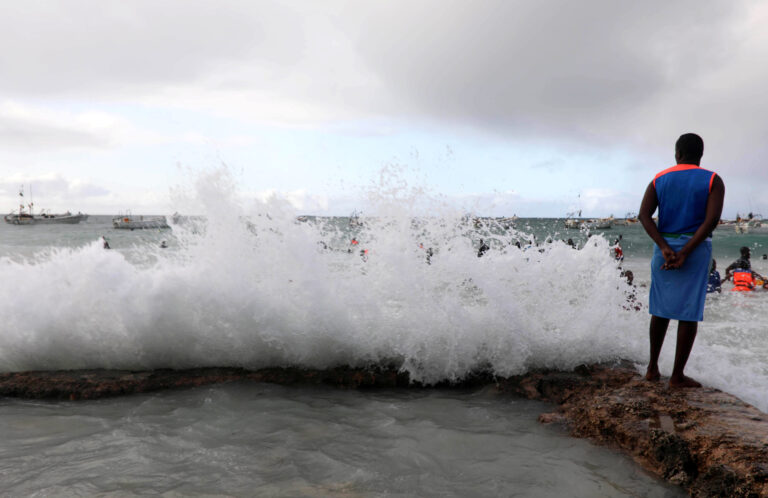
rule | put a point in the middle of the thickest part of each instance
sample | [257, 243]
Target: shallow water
[267, 440]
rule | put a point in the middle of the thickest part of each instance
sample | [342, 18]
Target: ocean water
[247, 284]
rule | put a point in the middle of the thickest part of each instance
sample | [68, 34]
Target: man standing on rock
[690, 201]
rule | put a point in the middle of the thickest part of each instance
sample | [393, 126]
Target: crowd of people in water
[744, 278]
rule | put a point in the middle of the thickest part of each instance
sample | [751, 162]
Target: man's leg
[658, 331]
[686, 334]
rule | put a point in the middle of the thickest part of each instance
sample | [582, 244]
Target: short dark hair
[744, 250]
[690, 145]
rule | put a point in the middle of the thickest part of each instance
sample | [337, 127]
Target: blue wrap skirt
[680, 294]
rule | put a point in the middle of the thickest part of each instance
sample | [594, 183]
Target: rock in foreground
[707, 441]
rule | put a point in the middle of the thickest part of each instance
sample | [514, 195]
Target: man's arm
[712, 217]
[645, 215]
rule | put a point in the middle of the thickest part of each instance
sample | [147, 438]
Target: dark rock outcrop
[707, 441]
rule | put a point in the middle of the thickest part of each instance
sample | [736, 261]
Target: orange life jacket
[743, 281]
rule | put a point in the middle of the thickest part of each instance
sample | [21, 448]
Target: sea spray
[249, 285]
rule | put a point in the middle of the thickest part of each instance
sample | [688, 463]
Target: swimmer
[105, 243]
[163, 245]
[483, 249]
[714, 283]
[743, 264]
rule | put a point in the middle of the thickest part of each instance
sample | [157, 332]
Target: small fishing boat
[599, 224]
[45, 218]
[25, 216]
[131, 222]
[354, 219]
[590, 224]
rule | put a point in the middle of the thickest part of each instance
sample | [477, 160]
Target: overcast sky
[507, 107]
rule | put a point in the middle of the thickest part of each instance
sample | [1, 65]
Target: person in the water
[741, 272]
[483, 249]
[742, 264]
[618, 253]
[105, 243]
[353, 245]
[714, 284]
[690, 201]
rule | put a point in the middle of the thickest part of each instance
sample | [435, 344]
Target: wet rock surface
[707, 441]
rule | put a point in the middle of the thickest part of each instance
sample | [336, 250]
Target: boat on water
[572, 223]
[589, 224]
[751, 226]
[752, 223]
[629, 219]
[599, 224]
[45, 218]
[131, 222]
[354, 219]
[26, 216]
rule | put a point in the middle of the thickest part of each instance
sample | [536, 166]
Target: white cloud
[25, 126]
[300, 200]
[569, 76]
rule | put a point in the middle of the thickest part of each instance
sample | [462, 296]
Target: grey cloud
[561, 73]
[534, 67]
[26, 134]
[80, 46]
[52, 189]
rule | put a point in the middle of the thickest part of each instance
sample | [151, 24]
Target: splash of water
[249, 285]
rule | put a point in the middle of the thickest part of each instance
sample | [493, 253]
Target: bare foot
[683, 382]
[652, 375]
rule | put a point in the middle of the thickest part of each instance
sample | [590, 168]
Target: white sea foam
[250, 286]
[253, 287]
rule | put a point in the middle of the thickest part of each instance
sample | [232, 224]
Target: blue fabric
[680, 294]
[714, 284]
[682, 197]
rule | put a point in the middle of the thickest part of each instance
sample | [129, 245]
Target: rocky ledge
[707, 441]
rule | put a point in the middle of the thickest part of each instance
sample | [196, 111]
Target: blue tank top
[682, 192]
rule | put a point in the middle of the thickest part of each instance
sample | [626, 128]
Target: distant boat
[130, 222]
[599, 224]
[25, 216]
[572, 223]
[572, 220]
[754, 224]
[354, 219]
[592, 224]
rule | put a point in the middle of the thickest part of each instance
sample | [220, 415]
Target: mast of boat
[31, 202]
[21, 201]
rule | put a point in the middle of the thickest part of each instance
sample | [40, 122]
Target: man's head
[744, 252]
[689, 148]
